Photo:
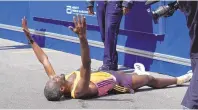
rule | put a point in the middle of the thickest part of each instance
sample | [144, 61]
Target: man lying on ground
[86, 84]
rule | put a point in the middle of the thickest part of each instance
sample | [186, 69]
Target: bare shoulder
[91, 92]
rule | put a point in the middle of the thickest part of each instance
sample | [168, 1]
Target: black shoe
[107, 68]
[104, 68]
[114, 68]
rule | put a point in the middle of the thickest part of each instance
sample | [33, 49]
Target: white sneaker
[184, 78]
[140, 69]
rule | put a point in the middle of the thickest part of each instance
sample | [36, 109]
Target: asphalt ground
[22, 80]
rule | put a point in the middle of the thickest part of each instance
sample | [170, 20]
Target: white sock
[184, 78]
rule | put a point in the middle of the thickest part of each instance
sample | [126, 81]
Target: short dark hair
[52, 91]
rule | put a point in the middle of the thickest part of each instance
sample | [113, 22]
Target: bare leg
[147, 80]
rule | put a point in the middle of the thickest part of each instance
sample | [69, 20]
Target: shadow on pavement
[15, 47]
[151, 89]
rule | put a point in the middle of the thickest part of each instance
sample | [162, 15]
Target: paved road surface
[22, 79]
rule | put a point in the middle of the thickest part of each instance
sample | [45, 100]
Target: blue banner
[162, 47]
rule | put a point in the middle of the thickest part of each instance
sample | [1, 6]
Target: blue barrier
[160, 47]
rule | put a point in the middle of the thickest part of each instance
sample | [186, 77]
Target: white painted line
[132, 51]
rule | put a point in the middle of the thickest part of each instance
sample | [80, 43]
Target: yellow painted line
[33, 51]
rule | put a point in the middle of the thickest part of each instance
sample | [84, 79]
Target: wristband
[30, 41]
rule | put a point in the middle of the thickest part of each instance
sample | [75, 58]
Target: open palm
[80, 26]
[25, 27]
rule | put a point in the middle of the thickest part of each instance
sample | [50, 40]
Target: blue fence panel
[162, 47]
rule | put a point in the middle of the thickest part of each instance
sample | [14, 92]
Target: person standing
[109, 15]
[190, 10]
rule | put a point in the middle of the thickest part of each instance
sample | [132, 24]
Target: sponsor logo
[76, 10]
